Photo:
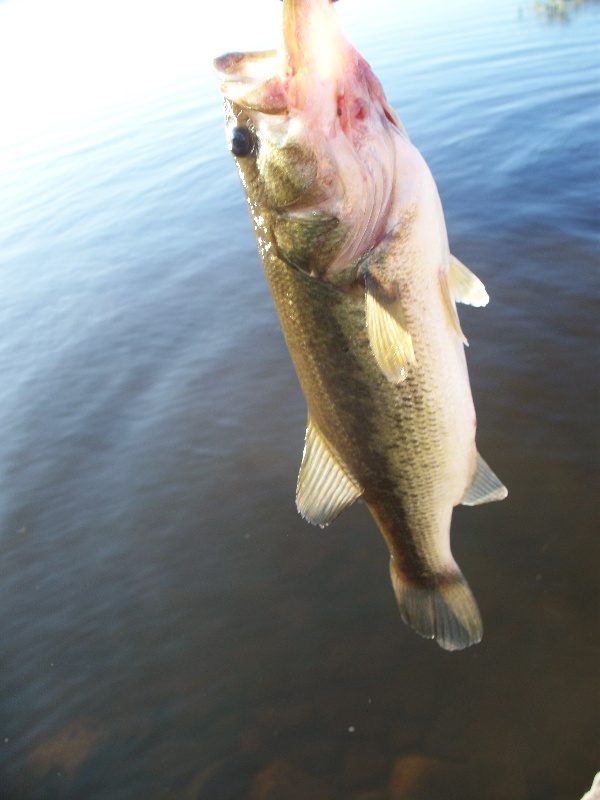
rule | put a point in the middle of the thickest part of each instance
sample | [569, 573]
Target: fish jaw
[322, 65]
[253, 80]
[319, 60]
[316, 100]
[352, 237]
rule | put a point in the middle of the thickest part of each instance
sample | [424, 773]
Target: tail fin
[447, 612]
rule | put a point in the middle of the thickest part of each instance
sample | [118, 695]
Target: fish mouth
[315, 101]
[253, 80]
[307, 68]
[314, 44]
[313, 73]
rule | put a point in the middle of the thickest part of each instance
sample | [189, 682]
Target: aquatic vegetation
[560, 8]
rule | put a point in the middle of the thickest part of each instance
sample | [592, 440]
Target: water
[169, 626]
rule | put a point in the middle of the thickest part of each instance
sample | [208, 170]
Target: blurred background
[169, 626]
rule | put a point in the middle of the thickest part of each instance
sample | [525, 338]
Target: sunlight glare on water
[69, 61]
[169, 625]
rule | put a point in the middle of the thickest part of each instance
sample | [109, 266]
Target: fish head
[314, 139]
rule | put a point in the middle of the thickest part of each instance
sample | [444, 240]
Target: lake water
[169, 626]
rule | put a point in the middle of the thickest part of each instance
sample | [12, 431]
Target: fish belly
[409, 447]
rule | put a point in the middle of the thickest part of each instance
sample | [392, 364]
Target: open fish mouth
[315, 72]
[252, 80]
[313, 107]
[350, 229]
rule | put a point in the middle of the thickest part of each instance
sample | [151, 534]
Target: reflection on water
[170, 627]
[560, 8]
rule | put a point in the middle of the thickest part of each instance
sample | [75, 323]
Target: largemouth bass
[352, 237]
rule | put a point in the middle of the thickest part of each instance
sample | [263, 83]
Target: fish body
[352, 237]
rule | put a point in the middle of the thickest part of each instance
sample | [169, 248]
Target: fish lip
[252, 80]
[238, 65]
[277, 82]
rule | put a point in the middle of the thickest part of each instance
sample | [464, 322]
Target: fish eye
[241, 142]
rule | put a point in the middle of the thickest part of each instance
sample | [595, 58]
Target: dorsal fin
[390, 342]
[485, 487]
[324, 488]
[466, 287]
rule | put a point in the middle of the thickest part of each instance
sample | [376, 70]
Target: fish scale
[351, 234]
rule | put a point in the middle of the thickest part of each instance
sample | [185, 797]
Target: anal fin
[390, 342]
[324, 489]
[485, 487]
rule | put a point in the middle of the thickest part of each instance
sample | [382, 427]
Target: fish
[351, 233]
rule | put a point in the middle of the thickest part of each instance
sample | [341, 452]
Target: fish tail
[444, 609]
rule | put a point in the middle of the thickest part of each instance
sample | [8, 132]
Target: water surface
[169, 626]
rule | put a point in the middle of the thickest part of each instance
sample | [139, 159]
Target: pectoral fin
[390, 342]
[324, 489]
[485, 487]
[464, 286]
